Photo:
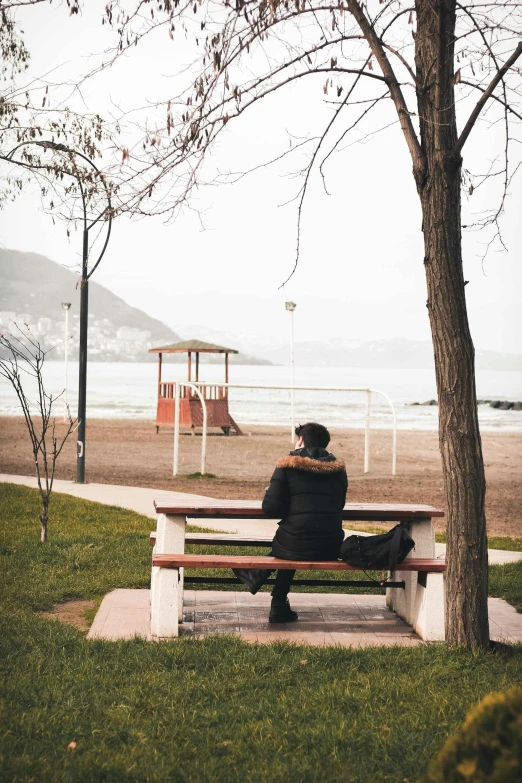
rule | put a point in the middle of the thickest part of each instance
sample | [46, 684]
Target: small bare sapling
[21, 357]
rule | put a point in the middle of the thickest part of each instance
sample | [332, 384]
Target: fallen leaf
[71, 746]
[305, 660]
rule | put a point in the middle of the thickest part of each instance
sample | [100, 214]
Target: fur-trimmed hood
[314, 464]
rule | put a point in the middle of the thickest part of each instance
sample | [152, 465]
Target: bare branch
[507, 106]
[485, 96]
[377, 49]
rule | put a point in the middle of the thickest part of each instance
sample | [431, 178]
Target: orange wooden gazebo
[190, 409]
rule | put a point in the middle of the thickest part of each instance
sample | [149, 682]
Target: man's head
[313, 434]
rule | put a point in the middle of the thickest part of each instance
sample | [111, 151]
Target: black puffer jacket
[308, 492]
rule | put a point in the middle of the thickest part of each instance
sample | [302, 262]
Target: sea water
[129, 390]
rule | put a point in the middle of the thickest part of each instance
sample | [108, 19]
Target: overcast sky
[361, 270]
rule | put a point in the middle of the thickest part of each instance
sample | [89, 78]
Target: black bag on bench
[385, 550]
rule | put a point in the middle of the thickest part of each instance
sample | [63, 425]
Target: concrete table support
[166, 586]
[421, 603]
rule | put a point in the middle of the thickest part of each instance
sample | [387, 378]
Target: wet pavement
[324, 619]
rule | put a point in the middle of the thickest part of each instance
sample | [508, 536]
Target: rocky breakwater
[501, 405]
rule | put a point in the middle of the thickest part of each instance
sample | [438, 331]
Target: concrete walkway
[140, 499]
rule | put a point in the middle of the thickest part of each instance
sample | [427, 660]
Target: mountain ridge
[32, 288]
[395, 353]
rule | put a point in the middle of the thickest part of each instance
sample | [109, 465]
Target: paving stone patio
[324, 619]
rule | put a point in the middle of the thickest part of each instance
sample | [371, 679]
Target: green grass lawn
[201, 710]
[494, 542]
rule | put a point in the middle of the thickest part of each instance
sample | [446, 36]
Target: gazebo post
[226, 373]
[197, 366]
[159, 384]
[189, 366]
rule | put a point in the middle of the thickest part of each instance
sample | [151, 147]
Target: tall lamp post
[290, 306]
[65, 307]
[84, 291]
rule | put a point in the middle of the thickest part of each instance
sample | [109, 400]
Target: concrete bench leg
[181, 588]
[164, 603]
[428, 611]
[153, 572]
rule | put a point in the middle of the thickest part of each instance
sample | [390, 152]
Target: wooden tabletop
[251, 509]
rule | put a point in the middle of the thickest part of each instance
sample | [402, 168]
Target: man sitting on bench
[308, 492]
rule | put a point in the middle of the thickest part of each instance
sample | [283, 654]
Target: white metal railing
[197, 385]
[176, 426]
[211, 391]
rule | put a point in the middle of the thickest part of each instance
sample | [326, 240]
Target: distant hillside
[396, 353]
[35, 286]
[32, 288]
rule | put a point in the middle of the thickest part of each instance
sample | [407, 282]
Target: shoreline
[514, 429]
[128, 391]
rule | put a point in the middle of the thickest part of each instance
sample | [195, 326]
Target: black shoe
[253, 578]
[282, 613]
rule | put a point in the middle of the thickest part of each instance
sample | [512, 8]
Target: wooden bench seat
[426, 565]
[421, 566]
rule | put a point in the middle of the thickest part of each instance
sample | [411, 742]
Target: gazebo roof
[192, 346]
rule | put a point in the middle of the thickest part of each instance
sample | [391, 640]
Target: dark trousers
[282, 584]
[255, 578]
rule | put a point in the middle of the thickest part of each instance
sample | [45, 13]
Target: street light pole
[65, 308]
[290, 306]
[84, 310]
[82, 359]
[84, 293]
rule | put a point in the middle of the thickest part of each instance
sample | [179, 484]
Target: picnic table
[420, 602]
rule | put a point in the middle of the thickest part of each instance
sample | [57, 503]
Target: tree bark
[44, 518]
[438, 184]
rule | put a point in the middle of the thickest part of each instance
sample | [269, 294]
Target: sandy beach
[123, 451]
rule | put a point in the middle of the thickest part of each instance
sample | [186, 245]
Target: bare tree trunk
[43, 533]
[459, 436]
[44, 518]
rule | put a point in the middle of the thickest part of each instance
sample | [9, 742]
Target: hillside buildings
[106, 342]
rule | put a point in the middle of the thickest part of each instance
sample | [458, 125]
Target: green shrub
[488, 748]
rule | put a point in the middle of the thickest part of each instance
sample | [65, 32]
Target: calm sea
[124, 390]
